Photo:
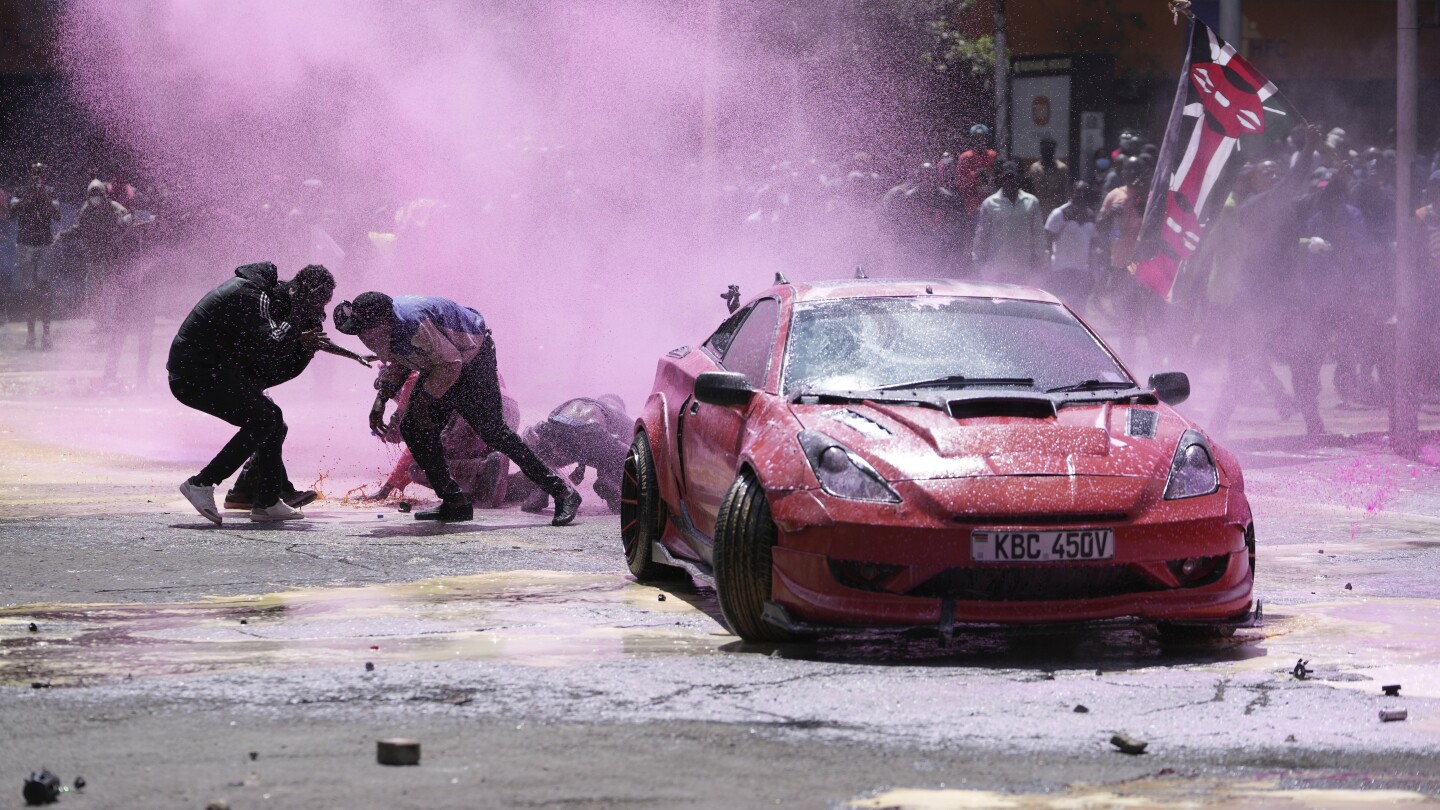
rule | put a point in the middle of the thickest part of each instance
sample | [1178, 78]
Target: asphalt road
[175, 663]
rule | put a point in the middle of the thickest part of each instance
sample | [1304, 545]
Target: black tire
[1192, 632]
[744, 536]
[642, 518]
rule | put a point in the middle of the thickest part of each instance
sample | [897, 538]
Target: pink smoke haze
[545, 163]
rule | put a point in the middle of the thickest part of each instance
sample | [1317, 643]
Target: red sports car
[899, 454]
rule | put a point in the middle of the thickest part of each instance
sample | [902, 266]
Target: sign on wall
[1040, 107]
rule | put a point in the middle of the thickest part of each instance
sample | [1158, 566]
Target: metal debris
[1391, 690]
[1391, 715]
[398, 751]
[1128, 745]
[1082, 709]
[1301, 671]
[41, 787]
[40, 685]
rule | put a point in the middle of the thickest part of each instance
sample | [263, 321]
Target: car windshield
[865, 344]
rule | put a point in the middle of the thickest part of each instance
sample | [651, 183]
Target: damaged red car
[882, 454]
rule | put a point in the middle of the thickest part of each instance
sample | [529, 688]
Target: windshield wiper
[1094, 385]
[959, 381]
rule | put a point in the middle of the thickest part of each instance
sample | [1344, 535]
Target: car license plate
[1048, 546]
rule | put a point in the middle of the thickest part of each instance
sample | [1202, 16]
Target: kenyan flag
[1224, 112]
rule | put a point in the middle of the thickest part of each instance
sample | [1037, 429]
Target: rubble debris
[661, 597]
[254, 755]
[1391, 690]
[1391, 715]
[1301, 670]
[244, 621]
[1081, 708]
[80, 783]
[40, 685]
[218, 804]
[34, 628]
[1349, 587]
[369, 666]
[1128, 744]
[1289, 738]
[403, 506]
[398, 751]
[41, 787]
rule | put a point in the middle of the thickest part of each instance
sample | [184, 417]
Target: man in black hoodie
[35, 212]
[239, 340]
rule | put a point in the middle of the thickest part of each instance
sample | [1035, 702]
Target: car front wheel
[744, 537]
[642, 517]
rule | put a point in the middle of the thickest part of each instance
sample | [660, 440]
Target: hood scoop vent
[862, 424]
[1011, 405]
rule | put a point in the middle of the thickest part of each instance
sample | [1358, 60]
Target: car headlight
[842, 473]
[1192, 472]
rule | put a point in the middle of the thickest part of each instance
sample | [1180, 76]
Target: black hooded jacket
[242, 327]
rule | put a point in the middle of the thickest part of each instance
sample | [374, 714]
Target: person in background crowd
[1121, 215]
[1429, 257]
[974, 177]
[237, 339]
[454, 353]
[1010, 238]
[35, 212]
[1071, 228]
[1117, 175]
[1344, 292]
[99, 230]
[1049, 178]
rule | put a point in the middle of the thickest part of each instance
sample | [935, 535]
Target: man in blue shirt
[455, 356]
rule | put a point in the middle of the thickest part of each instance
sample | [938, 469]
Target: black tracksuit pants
[476, 395]
[243, 403]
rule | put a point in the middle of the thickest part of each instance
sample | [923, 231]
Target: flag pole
[1404, 411]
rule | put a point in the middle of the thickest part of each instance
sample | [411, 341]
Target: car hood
[909, 442]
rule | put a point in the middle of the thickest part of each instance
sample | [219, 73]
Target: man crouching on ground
[224, 357]
[455, 355]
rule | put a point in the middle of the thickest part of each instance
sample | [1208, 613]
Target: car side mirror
[723, 388]
[1171, 387]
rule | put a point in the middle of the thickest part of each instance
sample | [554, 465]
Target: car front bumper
[928, 579]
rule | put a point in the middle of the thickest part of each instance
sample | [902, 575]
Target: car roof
[904, 288]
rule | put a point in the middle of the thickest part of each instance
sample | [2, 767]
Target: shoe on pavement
[297, 499]
[271, 514]
[203, 499]
[565, 508]
[448, 511]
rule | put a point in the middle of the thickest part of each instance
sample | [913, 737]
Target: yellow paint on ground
[538, 618]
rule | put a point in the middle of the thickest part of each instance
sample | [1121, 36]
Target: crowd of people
[1300, 261]
[1297, 271]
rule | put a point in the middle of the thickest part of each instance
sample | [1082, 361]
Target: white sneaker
[280, 511]
[203, 499]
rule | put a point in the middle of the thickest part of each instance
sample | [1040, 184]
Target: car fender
[770, 448]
